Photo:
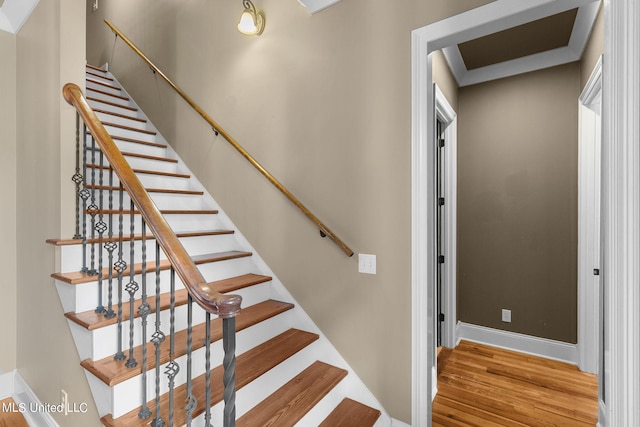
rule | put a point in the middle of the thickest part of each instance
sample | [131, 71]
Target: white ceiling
[314, 6]
[14, 13]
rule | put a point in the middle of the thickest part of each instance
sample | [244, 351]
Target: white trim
[621, 211]
[314, 6]
[572, 52]
[398, 423]
[24, 397]
[477, 22]
[528, 344]
[447, 115]
[589, 182]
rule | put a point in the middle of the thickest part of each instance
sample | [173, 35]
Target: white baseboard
[397, 423]
[13, 385]
[542, 347]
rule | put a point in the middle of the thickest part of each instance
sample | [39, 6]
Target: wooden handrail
[324, 230]
[225, 306]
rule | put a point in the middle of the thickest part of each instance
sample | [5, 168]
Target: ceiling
[541, 43]
[14, 13]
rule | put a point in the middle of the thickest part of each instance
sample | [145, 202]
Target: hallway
[483, 386]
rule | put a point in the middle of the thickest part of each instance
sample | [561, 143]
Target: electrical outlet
[64, 401]
[367, 263]
[506, 315]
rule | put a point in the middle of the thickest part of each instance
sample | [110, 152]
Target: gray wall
[517, 202]
[8, 284]
[49, 53]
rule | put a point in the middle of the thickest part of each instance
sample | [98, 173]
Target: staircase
[287, 373]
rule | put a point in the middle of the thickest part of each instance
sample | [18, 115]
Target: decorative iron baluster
[229, 376]
[77, 178]
[191, 400]
[84, 195]
[101, 226]
[120, 266]
[157, 339]
[144, 311]
[92, 209]
[207, 369]
[172, 368]
[132, 287]
[110, 246]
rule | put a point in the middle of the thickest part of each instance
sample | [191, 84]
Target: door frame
[589, 187]
[620, 195]
[447, 115]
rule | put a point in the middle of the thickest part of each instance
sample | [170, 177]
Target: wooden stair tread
[91, 320]
[124, 98]
[99, 75]
[129, 128]
[107, 85]
[74, 278]
[148, 157]
[113, 104]
[122, 116]
[162, 211]
[149, 190]
[113, 372]
[143, 171]
[250, 365]
[149, 236]
[287, 405]
[351, 413]
[138, 141]
[93, 67]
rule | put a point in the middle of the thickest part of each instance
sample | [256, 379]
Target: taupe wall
[517, 202]
[48, 54]
[324, 102]
[8, 284]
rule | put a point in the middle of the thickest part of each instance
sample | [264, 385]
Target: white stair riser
[111, 99]
[198, 245]
[102, 84]
[84, 297]
[125, 121]
[103, 342]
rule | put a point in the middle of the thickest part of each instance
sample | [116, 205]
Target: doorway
[481, 21]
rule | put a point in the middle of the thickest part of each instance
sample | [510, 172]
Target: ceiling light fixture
[252, 20]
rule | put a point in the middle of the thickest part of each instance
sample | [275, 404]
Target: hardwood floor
[11, 417]
[483, 386]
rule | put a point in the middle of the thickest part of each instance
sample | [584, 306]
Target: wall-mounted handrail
[225, 306]
[324, 230]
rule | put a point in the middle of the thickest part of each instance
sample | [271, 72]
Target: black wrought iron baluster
[120, 266]
[172, 368]
[101, 226]
[132, 286]
[191, 400]
[110, 246]
[92, 209]
[77, 179]
[229, 376]
[84, 195]
[207, 368]
[144, 311]
[157, 339]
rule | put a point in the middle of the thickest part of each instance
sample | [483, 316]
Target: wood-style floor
[12, 417]
[483, 386]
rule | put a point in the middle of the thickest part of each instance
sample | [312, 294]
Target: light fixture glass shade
[247, 25]
[251, 21]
